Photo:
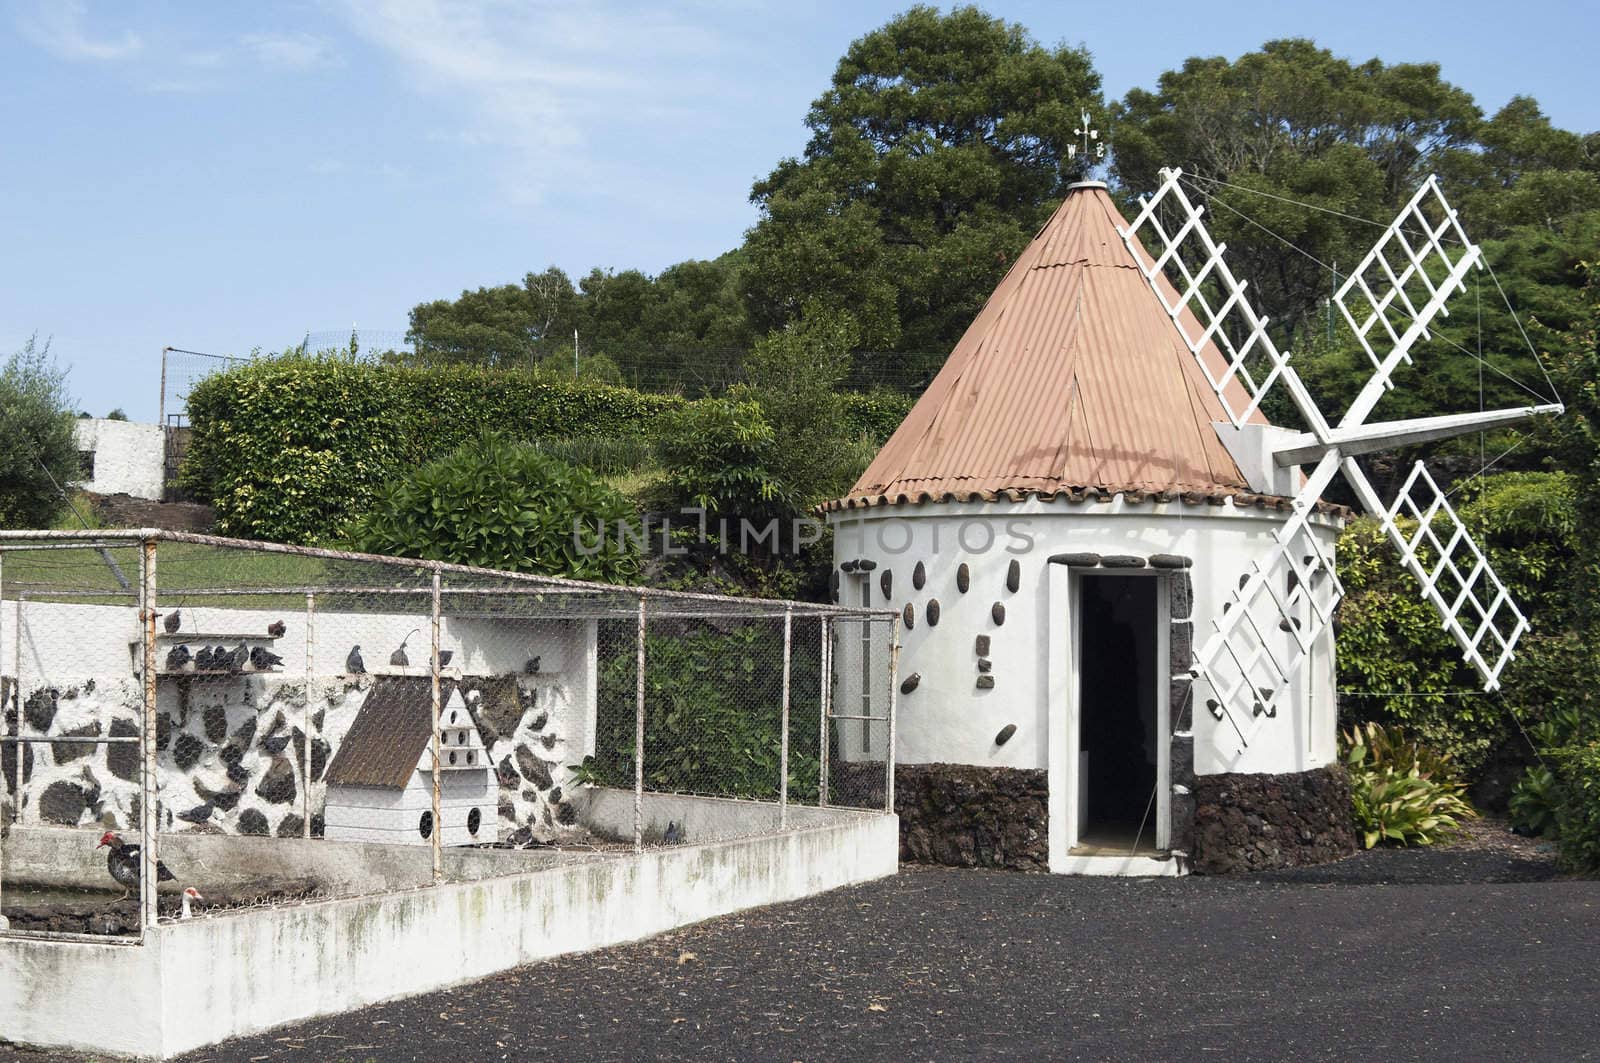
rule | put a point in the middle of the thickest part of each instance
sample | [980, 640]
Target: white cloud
[290, 51]
[540, 83]
[59, 27]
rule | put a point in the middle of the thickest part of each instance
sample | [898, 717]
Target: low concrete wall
[66, 858]
[129, 458]
[608, 811]
[213, 977]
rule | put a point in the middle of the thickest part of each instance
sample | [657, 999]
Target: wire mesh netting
[195, 724]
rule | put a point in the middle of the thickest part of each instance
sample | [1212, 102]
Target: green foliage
[935, 154]
[295, 448]
[1577, 812]
[874, 414]
[713, 721]
[1401, 791]
[38, 448]
[716, 453]
[1535, 801]
[117, 415]
[505, 505]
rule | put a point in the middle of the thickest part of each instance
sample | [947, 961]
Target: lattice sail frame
[1400, 298]
[1433, 561]
[1422, 258]
[1268, 628]
[1205, 328]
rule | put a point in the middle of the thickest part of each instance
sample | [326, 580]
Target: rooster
[123, 863]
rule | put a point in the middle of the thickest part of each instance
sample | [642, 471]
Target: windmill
[1284, 603]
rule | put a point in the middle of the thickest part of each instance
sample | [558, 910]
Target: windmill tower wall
[1060, 523]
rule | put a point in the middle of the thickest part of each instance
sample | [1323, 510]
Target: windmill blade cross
[1454, 575]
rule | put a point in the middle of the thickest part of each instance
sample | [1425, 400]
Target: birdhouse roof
[390, 733]
[1072, 380]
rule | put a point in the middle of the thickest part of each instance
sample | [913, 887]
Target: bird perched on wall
[189, 894]
[674, 835]
[178, 657]
[276, 629]
[532, 667]
[353, 664]
[123, 863]
[398, 658]
[171, 621]
[203, 660]
[263, 659]
[237, 656]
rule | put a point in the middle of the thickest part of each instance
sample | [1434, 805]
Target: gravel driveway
[1475, 952]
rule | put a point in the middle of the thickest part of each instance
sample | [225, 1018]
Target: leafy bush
[713, 719]
[1577, 809]
[716, 453]
[1535, 801]
[503, 505]
[38, 448]
[875, 414]
[1401, 791]
[296, 448]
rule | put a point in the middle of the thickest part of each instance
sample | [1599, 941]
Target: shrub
[1577, 809]
[1535, 801]
[296, 448]
[1401, 791]
[38, 448]
[503, 505]
[875, 414]
[717, 454]
[712, 714]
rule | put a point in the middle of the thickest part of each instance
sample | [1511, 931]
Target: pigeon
[674, 835]
[353, 664]
[532, 667]
[179, 657]
[263, 659]
[203, 661]
[444, 657]
[237, 656]
[276, 629]
[173, 619]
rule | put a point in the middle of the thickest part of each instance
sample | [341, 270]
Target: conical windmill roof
[1072, 380]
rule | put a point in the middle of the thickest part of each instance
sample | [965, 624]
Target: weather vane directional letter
[1090, 137]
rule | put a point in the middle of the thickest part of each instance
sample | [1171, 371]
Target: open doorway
[1119, 734]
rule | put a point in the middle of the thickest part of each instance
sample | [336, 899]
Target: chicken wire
[235, 708]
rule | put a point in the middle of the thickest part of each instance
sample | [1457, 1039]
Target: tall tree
[38, 448]
[938, 149]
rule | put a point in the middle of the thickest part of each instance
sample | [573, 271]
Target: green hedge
[877, 413]
[295, 448]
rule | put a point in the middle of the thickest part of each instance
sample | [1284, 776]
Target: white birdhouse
[380, 783]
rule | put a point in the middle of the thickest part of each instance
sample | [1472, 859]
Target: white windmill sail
[1284, 603]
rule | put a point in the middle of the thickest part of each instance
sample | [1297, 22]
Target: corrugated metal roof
[1072, 380]
[389, 734]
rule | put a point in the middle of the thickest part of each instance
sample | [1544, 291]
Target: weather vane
[1093, 147]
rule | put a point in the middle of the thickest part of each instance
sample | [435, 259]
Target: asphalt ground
[1422, 954]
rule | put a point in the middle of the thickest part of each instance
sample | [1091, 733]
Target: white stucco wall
[129, 458]
[947, 719]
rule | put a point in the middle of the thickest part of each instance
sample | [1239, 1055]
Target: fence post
[16, 680]
[149, 825]
[638, 739]
[311, 643]
[888, 754]
[783, 745]
[825, 698]
[433, 672]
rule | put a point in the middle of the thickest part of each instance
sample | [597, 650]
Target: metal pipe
[149, 826]
[433, 684]
[90, 740]
[638, 738]
[783, 743]
[825, 706]
[311, 643]
[112, 535]
[16, 795]
[888, 758]
[16, 679]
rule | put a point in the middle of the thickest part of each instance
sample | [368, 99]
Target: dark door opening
[1117, 709]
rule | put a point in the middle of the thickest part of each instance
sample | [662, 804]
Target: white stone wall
[129, 458]
[231, 749]
[949, 718]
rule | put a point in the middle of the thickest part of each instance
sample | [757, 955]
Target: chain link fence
[193, 723]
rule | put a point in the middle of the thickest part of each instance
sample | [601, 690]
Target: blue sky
[222, 176]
